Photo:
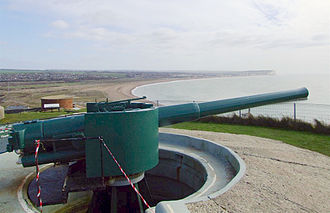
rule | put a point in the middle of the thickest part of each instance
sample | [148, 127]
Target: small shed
[57, 101]
[2, 112]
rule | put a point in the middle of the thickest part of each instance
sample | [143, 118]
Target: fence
[12, 111]
[303, 111]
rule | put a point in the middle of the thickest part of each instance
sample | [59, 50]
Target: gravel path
[279, 177]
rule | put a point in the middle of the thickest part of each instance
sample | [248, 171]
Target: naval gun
[128, 128]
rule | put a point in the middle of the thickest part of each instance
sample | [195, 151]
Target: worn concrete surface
[11, 177]
[279, 177]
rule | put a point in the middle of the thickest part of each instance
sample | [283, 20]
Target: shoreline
[124, 90]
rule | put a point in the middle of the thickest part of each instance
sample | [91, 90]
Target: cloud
[189, 31]
[99, 34]
[60, 24]
[275, 12]
[260, 23]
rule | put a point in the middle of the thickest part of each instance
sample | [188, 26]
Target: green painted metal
[132, 136]
[129, 129]
[185, 112]
[117, 105]
[24, 134]
[51, 157]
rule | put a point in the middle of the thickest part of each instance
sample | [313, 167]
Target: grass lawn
[306, 140]
[311, 141]
[27, 116]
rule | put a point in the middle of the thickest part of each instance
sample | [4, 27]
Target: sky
[288, 36]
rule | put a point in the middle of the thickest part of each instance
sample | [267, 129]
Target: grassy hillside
[27, 116]
[306, 140]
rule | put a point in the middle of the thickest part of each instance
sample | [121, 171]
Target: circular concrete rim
[239, 165]
[22, 191]
[167, 206]
[177, 176]
[201, 195]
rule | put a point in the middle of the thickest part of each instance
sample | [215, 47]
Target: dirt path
[279, 177]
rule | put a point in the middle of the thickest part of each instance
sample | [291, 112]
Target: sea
[317, 106]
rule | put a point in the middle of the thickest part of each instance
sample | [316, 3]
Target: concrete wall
[2, 112]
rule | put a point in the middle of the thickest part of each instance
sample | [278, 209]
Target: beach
[123, 90]
[118, 91]
[279, 177]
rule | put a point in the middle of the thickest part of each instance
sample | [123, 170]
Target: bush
[284, 123]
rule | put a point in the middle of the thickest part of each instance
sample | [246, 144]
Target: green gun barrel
[123, 124]
[24, 134]
[187, 112]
